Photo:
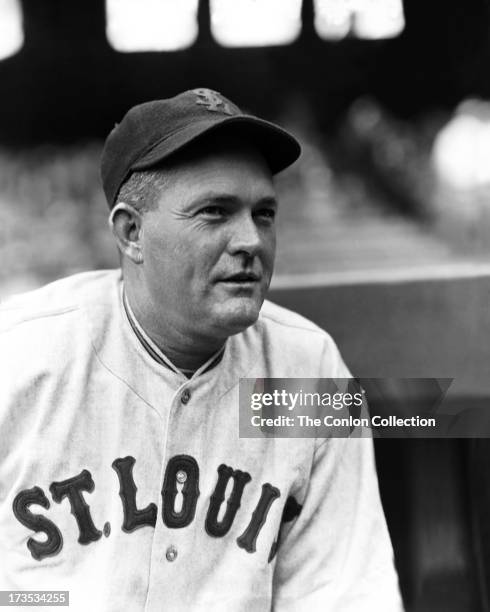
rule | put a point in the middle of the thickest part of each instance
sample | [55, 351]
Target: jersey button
[181, 476]
[171, 553]
[186, 396]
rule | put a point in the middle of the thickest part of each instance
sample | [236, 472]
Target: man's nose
[245, 236]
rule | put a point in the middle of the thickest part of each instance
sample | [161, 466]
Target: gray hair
[141, 189]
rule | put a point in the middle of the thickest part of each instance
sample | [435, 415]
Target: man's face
[209, 244]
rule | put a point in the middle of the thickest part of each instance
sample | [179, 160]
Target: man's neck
[184, 353]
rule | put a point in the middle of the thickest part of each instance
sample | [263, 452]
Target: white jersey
[127, 484]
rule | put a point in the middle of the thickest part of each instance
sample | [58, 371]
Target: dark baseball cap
[151, 132]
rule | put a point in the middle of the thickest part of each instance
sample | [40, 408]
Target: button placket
[171, 551]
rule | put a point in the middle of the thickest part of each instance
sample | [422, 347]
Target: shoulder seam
[42, 315]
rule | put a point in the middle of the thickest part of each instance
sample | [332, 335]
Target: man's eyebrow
[225, 198]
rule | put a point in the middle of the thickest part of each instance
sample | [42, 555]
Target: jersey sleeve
[337, 555]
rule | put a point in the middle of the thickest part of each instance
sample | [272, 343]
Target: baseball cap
[151, 132]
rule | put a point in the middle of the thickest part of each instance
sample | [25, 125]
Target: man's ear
[126, 225]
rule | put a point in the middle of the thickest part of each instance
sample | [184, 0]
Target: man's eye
[268, 213]
[214, 211]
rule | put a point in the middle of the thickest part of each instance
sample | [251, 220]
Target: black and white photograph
[245, 305]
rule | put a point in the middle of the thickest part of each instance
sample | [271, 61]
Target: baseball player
[123, 479]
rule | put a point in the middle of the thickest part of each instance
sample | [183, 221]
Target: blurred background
[389, 99]
[384, 229]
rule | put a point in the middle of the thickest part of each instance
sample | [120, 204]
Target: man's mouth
[242, 277]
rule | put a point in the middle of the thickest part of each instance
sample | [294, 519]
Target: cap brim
[279, 148]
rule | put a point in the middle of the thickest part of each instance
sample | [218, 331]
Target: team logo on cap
[213, 101]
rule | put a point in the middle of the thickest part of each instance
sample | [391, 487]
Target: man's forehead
[225, 172]
[227, 165]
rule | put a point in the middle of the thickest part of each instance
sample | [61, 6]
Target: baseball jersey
[126, 483]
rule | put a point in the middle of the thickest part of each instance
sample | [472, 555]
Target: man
[123, 479]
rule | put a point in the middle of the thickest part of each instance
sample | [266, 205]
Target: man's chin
[236, 319]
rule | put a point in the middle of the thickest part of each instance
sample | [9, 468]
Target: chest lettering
[180, 494]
